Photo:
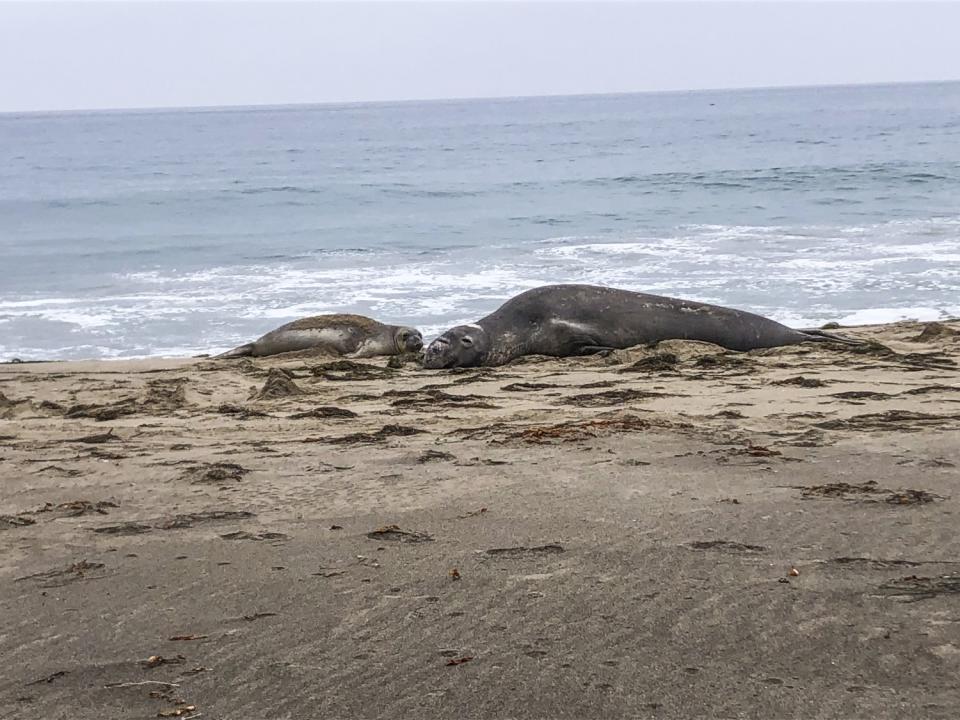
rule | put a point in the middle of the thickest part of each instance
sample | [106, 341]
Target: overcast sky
[138, 54]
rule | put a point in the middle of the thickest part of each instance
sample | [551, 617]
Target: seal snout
[435, 354]
[414, 343]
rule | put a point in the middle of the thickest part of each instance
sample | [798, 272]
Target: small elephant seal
[564, 320]
[354, 336]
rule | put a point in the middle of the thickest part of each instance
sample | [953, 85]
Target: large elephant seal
[351, 335]
[564, 320]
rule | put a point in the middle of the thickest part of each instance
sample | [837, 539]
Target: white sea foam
[802, 276]
[876, 316]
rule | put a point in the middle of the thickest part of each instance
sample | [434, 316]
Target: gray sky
[140, 54]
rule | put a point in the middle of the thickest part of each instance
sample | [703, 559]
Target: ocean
[179, 232]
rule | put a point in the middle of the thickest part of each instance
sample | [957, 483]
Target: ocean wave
[802, 275]
[856, 177]
[81, 202]
[878, 316]
[280, 189]
[434, 193]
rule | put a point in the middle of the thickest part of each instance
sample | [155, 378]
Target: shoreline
[868, 326]
[672, 531]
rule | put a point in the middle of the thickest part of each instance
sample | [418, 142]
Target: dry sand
[668, 532]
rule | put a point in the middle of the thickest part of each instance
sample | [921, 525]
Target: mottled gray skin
[353, 336]
[565, 320]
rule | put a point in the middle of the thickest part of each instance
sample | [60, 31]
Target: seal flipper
[242, 351]
[583, 344]
[587, 345]
[601, 350]
[579, 339]
[822, 336]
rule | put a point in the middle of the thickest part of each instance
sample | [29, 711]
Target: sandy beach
[666, 532]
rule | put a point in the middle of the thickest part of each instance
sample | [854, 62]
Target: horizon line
[467, 98]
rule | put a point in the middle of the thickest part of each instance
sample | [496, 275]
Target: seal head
[407, 340]
[462, 346]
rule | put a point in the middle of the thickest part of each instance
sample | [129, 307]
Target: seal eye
[466, 340]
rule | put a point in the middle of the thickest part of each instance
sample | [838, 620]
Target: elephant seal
[564, 320]
[350, 335]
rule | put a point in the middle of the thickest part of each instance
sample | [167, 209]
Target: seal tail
[823, 336]
[242, 351]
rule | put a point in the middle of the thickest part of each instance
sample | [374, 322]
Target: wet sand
[666, 532]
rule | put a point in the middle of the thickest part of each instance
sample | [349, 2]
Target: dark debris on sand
[211, 473]
[609, 397]
[726, 545]
[342, 370]
[580, 430]
[861, 395]
[572, 431]
[394, 533]
[801, 381]
[395, 362]
[466, 376]
[598, 384]
[124, 528]
[725, 361]
[512, 553]
[914, 587]
[926, 389]
[433, 398]
[935, 360]
[240, 412]
[15, 521]
[324, 412]
[178, 522]
[935, 331]
[530, 387]
[659, 363]
[102, 412]
[97, 438]
[47, 679]
[869, 491]
[435, 456]
[165, 394]
[190, 519]
[259, 536]
[76, 508]
[161, 395]
[77, 571]
[387, 431]
[873, 563]
[8, 404]
[279, 384]
[902, 420]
